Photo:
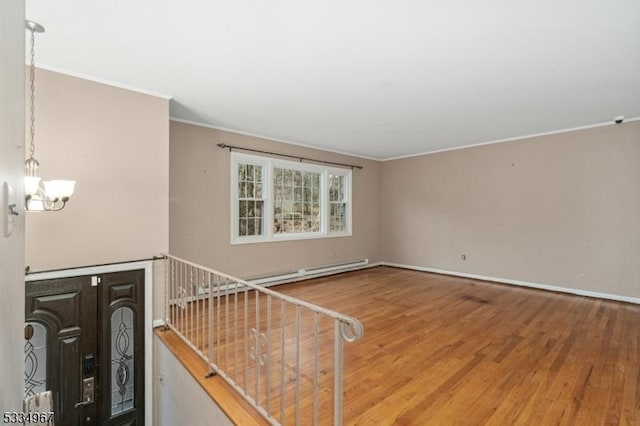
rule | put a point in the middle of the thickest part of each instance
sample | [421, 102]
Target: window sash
[297, 206]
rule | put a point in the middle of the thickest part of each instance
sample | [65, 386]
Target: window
[276, 200]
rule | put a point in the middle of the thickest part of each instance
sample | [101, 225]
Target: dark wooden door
[85, 335]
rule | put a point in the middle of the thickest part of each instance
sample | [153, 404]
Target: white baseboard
[519, 283]
[158, 323]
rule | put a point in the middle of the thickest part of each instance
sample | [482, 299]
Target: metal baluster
[246, 338]
[283, 325]
[185, 307]
[337, 374]
[180, 311]
[190, 305]
[167, 280]
[205, 307]
[172, 285]
[187, 291]
[172, 289]
[316, 324]
[185, 279]
[210, 315]
[235, 333]
[268, 344]
[176, 301]
[197, 302]
[201, 303]
[218, 320]
[257, 343]
[183, 314]
[203, 322]
[226, 326]
[297, 364]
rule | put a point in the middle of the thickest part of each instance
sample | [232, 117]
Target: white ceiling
[369, 77]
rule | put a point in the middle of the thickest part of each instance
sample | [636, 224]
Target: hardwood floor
[441, 350]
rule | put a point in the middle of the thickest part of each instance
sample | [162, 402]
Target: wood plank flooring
[444, 350]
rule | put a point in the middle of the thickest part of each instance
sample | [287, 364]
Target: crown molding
[255, 135]
[104, 81]
[516, 138]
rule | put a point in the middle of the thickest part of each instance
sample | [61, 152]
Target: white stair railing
[282, 354]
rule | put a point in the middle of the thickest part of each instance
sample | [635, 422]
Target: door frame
[147, 265]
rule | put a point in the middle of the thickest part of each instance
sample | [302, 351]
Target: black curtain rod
[27, 270]
[352, 166]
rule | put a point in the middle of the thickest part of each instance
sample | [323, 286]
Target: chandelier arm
[54, 205]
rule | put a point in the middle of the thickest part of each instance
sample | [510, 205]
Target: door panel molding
[70, 352]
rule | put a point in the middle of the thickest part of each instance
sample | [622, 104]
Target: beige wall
[12, 170]
[200, 208]
[559, 210]
[115, 144]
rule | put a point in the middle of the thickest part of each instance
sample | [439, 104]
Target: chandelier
[49, 195]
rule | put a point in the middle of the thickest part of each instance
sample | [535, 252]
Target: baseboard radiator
[307, 273]
[281, 277]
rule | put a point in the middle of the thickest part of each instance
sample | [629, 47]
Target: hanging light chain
[48, 195]
[32, 78]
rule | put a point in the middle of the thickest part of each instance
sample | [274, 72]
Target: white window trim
[268, 165]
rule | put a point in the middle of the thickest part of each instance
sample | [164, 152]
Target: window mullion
[347, 196]
[324, 199]
[268, 197]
